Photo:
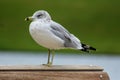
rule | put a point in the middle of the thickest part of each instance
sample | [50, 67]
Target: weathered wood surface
[53, 67]
[56, 72]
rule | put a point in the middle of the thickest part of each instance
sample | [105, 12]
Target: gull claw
[48, 64]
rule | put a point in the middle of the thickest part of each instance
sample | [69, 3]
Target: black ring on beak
[27, 19]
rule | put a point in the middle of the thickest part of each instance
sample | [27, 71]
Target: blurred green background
[94, 22]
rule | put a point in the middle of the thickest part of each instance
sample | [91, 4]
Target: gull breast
[41, 33]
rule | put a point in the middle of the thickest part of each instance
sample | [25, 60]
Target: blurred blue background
[110, 64]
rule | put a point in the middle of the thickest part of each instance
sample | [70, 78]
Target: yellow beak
[28, 19]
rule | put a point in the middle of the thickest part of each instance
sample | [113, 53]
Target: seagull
[52, 35]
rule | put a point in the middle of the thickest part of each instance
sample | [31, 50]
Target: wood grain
[56, 72]
[53, 67]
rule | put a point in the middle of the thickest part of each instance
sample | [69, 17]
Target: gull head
[39, 15]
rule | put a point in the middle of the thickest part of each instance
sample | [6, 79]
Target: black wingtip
[86, 48]
[92, 48]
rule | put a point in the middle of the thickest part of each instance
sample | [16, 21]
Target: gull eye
[39, 15]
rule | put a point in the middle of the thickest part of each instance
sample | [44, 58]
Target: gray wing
[69, 39]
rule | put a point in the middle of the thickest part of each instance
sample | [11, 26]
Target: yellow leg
[53, 54]
[48, 56]
[48, 62]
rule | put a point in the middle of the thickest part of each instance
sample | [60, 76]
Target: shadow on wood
[55, 72]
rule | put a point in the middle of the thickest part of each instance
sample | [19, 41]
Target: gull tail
[86, 48]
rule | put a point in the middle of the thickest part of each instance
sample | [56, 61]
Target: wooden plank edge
[50, 68]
